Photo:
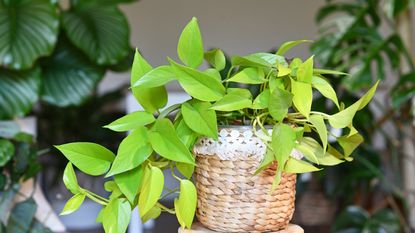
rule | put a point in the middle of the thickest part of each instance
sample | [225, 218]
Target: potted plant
[246, 149]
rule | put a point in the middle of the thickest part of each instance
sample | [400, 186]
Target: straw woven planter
[230, 197]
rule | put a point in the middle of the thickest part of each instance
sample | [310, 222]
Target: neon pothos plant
[156, 142]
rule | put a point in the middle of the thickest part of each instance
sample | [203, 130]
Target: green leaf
[69, 77]
[263, 60]
[9, 129]
[324, 157]
[129, 182]
[153, 213]
[186, 169]
[318, 122]
[145, 96]
[153, 183]
[344, 118]
[305, 71]
[283, 142]
[6, 151]
[69, 179]
[216, 58]
[165, 142]
[290, 44]
[21, 216]
[90, 158]
[132, 152]
[101, 31]
[155, 78]
[131, 121]
[298, 166]
[18, 92]
[302, 97]
[266, 162]
[283, 70]
[237, 98]
[324, 87]
[323, 71]
[350, 143]
[29, 30]
[200, 118]
[190, 47]
[249, 76]
[276, 83]
[279, 102]
[213, 73]
[262, 100]
[116, 216]
[73, 204]
[199, 85]
[185, 206]
[186, 135]
[112, 187]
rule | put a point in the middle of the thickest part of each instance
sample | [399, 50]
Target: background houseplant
[372, 40]
[284, 101]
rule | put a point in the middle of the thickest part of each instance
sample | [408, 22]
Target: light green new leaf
[186, 135]
[199, 85]
[237, 98]
[283, 142]
[318, 122]
[129, 182]
[186, 169]
[151, 189]
[69, 179]
[249, 76]
[132, 152]
[155, 78]
[164, 140]
[290, 44]
[276, 83]
[344, 118]
[185, 206]
[266, 161]
[131, 121]
[73, 204]
[213, 73]
[190, 47]
[112, 187]
[216, 58]
[350, 143]
[283, 70]
[145, 96]
[305, 71]
[308, 152]
[250, 61]
[323, 71]
[90, 158]
[153, 213]
[325, 89]
[116, 216]
[302, 97]
[262, 100]
[298, 166]
[200, 118]
[324, 157]
[279, 102]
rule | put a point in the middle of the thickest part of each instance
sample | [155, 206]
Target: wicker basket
[230, 198]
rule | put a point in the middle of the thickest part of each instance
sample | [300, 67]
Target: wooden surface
[198, 228]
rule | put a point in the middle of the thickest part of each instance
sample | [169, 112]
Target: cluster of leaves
[58, 55]
[18, 162]
[355, 41]
[158, 143]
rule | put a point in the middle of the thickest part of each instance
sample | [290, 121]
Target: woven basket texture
[232, 199]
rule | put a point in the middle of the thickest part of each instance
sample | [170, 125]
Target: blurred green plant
[18, 162]
[58, 54]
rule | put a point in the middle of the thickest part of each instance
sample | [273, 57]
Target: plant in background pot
[246, 149]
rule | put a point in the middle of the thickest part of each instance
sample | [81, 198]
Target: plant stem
[170, 211]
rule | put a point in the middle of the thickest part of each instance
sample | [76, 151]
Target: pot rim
[242, 127]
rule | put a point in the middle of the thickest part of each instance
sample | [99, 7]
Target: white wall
[236, 26]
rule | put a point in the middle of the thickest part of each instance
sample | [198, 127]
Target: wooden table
[198, 228]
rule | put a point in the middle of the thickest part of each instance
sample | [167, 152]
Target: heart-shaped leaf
[302, 97]
[216, 58]
[190, 47]
[70, 180]
[290, 44]
[298, 166]
[129, 182]
[90, 158]
[185, 205]
[324, 87]
[151, 189]
[249, 76]
[116, 216]
[200, 118]
[73, 204]
[237, 98]
[29, 30]
[278, 104]
[131, 121]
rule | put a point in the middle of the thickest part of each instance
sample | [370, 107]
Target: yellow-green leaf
[116, 216]
[279, 102]
[290, 44]
[283, 142]
[69, 179]
[185, 205]
[262, 100]
[153, 213]
[151, 189]
[302, 97]
[323, 71]
[350, 143]
[190, 46]
[216, 58]
[249, 76]
[131, 121]
[318, 122]
[129, 182]
[305, 71]
[325, 89]
[299, 166]
[324, 157]
[200, 118]
[155, 78]
[73, 204]
[237, 98]
[283, 70]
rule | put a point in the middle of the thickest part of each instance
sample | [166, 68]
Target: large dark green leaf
[100, 30]
[18, 92]
[69, 77]
[22, 216]
[28, 30]
[6, 151]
